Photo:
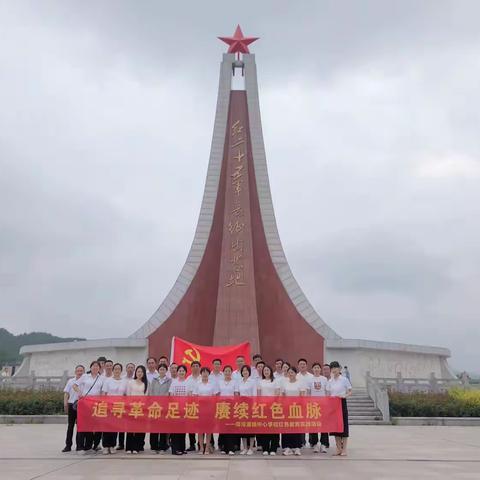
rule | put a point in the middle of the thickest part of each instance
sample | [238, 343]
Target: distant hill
[10, 344]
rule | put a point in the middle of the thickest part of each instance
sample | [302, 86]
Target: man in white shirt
[69, 398]
[192, 381]
[108, 369]
[278, 373]
[217, 373]
[128, 375]
[151, 369]
[240, 361]
[303, 373]
[257, 372]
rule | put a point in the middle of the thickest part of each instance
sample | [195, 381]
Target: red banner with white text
[185, 352]
[210, 414]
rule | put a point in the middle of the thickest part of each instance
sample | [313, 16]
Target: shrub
[30, 402]
[454, 403]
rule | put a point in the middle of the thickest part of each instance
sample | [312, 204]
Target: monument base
[381, 359]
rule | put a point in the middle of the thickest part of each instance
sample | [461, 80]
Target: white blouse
[227, 389]
[338, 387]
[293, 389]
[266, 388]
[247, 388]
[115, 387]
[88, 386]
[206, 389]
[318, 386]
[179, 388]
[135, 388]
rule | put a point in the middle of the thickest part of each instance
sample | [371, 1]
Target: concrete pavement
[376, 452]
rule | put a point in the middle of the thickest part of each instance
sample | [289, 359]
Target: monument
[236, 284]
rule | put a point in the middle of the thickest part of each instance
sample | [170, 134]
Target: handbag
[75, 403]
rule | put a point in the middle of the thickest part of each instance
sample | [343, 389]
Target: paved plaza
[376, 452]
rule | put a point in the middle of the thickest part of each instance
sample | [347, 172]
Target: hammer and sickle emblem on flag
[191, 355]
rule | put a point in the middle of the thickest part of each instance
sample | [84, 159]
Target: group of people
[160, 378]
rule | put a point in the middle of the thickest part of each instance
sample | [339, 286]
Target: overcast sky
[371, 119]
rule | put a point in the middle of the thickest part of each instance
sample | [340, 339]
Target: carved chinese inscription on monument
[235, 226]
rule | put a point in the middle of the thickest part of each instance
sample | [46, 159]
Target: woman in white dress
[205, 388]
[179, 388]
[340, 386]
[114, 385]
[293, 387]
[227, 386]
[137, 387]
[268, 387]
[246, 387]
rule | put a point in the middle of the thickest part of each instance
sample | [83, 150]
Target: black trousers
[109, 439]
[72, 420]
[268, 441]
[192, 439]
[178, 442]
[229, 443]
[85, 440]
[159, 441]
[292, 440]
[97, 438]
[135, 442]
[324, 439]
[121, 439]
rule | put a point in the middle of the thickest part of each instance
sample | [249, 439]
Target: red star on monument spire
[238, 43]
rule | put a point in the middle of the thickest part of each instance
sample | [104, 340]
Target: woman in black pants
[179, 388]
[137, 387]
[268, 387]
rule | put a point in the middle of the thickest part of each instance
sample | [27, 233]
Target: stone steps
[362, 410]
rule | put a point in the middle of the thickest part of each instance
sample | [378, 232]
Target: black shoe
[66, 449]
[120, 447]
[191, 449]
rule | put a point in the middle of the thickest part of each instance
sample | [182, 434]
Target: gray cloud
[370, 119]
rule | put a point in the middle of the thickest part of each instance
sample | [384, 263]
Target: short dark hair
[130, 363]
[302, 360]
[173, 363]
[79, 366]
[119, 364]
[286, 363]
[227, 366]
[152, 358]
[95, 362]
[205, 369]
[109, 361]
[326, 365]
[163, 365]
[163, 357]
[261, 362]
[195, 362]
[246, 367]
[240, 356]
[217, 360]
[317, 364]
[101, 359]
[335, 364]
[279, 360]
[181, 367]
[293, 368]
[257, 355]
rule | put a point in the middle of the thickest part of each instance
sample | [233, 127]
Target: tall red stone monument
[236, 284]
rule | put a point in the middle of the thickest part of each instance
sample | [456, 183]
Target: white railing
[378, 388]
[34, 382]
